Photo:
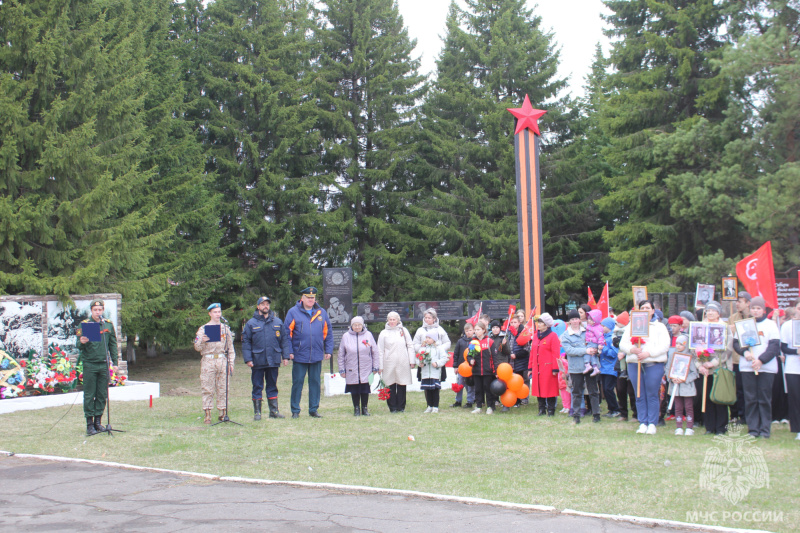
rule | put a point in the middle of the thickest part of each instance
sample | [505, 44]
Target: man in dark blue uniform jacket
[312, 341]
[265, 343]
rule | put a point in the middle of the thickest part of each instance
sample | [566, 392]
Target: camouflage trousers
[212, 379]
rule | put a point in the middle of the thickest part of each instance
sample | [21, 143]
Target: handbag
[723, 392]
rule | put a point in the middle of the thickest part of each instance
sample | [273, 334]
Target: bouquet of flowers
[424, 356]
[457, 387]
[474, 349]
[12, 376]
[704, 356]
[638, 341]
[49, 374]
[115, 380]
[383, 391]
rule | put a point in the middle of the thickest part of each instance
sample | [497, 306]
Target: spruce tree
[367, 87]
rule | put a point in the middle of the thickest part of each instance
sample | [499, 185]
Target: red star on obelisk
[527, 115]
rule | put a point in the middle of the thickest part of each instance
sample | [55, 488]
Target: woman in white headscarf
[396, 351]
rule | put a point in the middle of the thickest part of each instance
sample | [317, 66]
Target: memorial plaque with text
[446, 310]
[337, 293]
[377, 311]
[787, 291]
[681, 302]
[496, 309]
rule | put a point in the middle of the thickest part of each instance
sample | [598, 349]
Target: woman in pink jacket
[358, 357]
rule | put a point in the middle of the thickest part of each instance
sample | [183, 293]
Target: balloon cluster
[472, 350]
[508, 386]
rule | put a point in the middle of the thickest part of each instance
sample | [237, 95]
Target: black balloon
[497, 387]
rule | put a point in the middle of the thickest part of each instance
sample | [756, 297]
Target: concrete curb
[651, 522]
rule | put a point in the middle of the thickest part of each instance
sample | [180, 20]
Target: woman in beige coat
[396, 350]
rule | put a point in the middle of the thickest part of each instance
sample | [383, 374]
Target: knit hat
[713, 306]
[609, 323]
[573, 313]
[357, 320]
[546, 319]
[745, 295]
[675, 319]
[432, 334]
[758, 301]
[688, 316]
[623, 318]
[495, 323]
[683, 339]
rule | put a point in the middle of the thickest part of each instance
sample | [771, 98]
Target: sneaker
[435, 410]
[623, 419]
[689, 432]
[595, 371]
[489, 410]
[642, 428]
[784, 421]
[429, 409]
[587, 368]
[661, 422]
[505, 409]
[776, 421]
[457, 404]
[797, 437]
[651, 429]
[595, 418]
[564, 411]
[468, 405]
[679, 431]
[476, 410]
[670, 417]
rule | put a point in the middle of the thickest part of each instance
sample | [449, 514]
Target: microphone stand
[225, 418]
[109, 429]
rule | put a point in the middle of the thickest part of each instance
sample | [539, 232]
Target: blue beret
[311, 291]
[212, 306]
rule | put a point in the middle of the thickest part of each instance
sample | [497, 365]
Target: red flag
[511, 310]
[474, 319]
[758, 275]
[602, 304]
[591, 302]
[526, 333]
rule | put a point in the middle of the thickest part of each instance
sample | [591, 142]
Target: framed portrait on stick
[698, 335]
[639, 294]
[747, 332]
[730, 289]
[717, 338]
[703, 295]
[680, 367]
[640, 324]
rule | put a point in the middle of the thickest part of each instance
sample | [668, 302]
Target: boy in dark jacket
[458, 358]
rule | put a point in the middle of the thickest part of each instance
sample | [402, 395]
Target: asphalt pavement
[45, 495]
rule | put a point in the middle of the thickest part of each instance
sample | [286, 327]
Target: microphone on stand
[223, 319]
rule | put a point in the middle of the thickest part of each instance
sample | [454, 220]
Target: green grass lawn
[515, 457]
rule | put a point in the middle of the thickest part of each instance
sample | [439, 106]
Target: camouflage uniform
[212, 366]
[95, 367]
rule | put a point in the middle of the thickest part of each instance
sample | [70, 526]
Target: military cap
[310, 291]
[212, 306]
[98, 303]
[263, 299]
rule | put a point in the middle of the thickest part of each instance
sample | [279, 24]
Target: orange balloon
[465, 370]
[509, 398]
[523, 392]
[515, 382]
[504, 372]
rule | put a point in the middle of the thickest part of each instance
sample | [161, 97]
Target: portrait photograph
[730, 289]
[698, 335]
[716, 336]
[703, 295]
[639, 294]
[680, 366]
[640, 324]
[795, 333]
[747, 332]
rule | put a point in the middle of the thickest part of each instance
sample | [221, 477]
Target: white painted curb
[651, 522]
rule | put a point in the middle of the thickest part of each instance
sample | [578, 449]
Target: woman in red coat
[543, 365]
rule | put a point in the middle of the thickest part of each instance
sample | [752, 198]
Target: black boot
[577, 419]
[542, 407]
[595, 418]
[364, 411]
[273, 408]
[98, 426]
[257, 409]
[90, 426]
[364, 401]
[551, 412]
[356, 411]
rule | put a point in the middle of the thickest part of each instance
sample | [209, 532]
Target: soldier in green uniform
[95, 368]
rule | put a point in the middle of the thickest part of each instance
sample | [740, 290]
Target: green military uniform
[95, 368]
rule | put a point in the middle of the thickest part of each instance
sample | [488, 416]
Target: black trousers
[738, 408]
[361, 399]
[793, 383]
[758, 402]
[482, 391]
[397, 398]
[432, 397]
[715, 419]
[609, 384]
[625, 394]
[780, 400]
[547, 404]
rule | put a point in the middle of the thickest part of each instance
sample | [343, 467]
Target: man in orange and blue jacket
[312, 341]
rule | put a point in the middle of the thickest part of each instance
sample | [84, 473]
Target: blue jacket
[265, 341]
[608, 357]
[574, 347]
[311, 333]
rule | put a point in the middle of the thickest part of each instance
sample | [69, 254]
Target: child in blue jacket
[608, 376]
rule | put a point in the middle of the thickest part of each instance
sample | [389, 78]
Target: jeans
[299, 371]
[470, 390]
[591, 386]
[257, 378]
[648, 404]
